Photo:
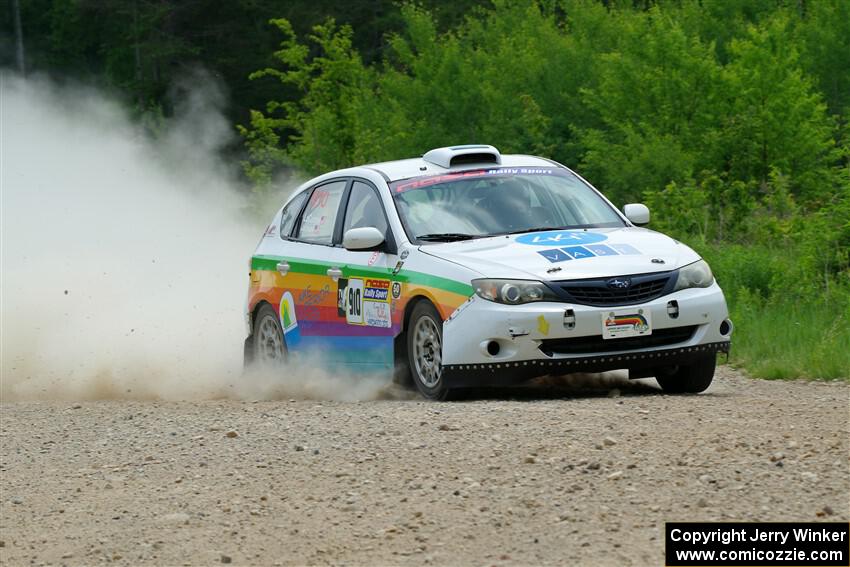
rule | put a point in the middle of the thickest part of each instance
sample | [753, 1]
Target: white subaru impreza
[469, 268]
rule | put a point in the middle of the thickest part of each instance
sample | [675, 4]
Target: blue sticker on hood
[554, 255]
[560, 238]
[602, 250]
[578, 252]
[625, 249]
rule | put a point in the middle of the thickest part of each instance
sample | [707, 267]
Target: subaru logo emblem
[619, 283]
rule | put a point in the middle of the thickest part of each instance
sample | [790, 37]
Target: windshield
[488, 202]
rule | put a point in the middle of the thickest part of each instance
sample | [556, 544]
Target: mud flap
[650, 372]
[248, 352]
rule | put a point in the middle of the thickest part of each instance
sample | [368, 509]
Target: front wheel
[688, 379]
[269, 343]
[425, 351]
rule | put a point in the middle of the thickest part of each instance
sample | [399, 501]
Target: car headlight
[697, 274]
[513, 292]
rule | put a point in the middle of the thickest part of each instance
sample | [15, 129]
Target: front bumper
[525, 335]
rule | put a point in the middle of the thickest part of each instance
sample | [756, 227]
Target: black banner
[807, 544]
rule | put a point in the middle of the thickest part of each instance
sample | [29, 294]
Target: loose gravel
[547, 477]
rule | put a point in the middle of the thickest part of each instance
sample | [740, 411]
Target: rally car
[469, 268]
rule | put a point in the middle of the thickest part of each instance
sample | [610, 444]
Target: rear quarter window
[319, 216]
[290, 213]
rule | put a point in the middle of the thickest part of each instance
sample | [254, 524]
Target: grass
[790, 339]
[786, 324]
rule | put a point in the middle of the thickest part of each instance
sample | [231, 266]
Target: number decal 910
[365, 302]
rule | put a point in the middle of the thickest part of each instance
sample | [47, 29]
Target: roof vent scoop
[463, 155]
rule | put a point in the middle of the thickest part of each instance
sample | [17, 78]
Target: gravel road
[576, 476]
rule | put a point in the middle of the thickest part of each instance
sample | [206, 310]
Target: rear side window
[290, 213]
[364, 209]
[319, 217]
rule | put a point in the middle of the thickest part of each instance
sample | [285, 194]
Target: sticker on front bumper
[543, 326]
[626, 323]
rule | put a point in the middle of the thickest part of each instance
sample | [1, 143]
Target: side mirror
[638, 213]
[364, 238]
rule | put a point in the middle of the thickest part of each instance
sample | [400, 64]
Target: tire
[690, 379]
[269, 343]
[425, 351]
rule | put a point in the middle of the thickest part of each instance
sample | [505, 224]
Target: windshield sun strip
[402, 185]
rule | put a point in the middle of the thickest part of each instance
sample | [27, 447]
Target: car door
[365, 292]
[309, 266]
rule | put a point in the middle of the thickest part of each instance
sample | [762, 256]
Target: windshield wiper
[535, 229]
[446, 237]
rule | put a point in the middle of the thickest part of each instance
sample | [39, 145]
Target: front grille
[596, 344]
[596, 291]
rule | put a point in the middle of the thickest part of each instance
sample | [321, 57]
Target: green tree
[823, 34]
[657, 101]
[320, 125]
[777, 119]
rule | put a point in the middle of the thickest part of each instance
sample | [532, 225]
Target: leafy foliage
[140, 47]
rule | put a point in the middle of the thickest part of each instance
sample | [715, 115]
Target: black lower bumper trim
[512, 373]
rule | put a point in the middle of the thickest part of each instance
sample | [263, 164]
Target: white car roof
[407, 168]
[435, 162]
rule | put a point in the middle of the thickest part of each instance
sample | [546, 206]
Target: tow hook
[515, 332]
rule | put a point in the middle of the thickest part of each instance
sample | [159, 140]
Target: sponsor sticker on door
[367, 302]
[354, 302]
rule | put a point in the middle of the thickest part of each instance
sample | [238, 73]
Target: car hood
[568, 254]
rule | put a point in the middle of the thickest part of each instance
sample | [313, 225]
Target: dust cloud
[125, 256]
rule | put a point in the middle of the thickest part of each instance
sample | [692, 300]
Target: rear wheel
[425, 351]
[269, 343]
[688, 379]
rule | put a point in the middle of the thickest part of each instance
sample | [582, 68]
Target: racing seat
[507, 206]
[370, 215]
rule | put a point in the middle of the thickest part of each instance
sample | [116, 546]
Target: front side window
[505, 200]
[290, 213]
[364, 209]
[319, 217]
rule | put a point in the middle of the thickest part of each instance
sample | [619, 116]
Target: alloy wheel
[427, 352]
